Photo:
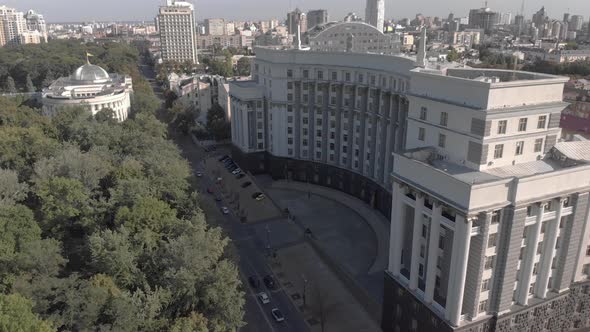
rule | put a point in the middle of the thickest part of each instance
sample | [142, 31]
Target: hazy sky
[104, 10]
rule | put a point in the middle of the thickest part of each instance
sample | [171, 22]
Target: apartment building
[177, 26]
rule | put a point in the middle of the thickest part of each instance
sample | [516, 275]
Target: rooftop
[563, 155]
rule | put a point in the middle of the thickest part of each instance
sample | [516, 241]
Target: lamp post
[304, 289]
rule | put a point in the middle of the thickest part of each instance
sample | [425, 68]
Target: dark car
[210, 190]
[218, 198]
[254, 282]
[269, 281]
[246, 184]
[233, 168]
[228, 161]
[223, 158]
[240, 175]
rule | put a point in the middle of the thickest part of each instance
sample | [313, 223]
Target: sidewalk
[327, 298]
[378, 223]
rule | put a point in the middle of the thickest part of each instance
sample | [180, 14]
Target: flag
[89, 54]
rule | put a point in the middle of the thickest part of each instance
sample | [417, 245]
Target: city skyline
[136, 10]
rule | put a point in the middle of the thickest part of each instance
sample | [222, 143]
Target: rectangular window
[304, 142]
[347, 77]
[423, 113]
[542, 121]
[422, 251]
[290, 119]
[444, 118]
[421, 270]
[421, 134]
[289, 96]
[492, 240]
[442, 140]
[485, 285]
[320, 75]
[289, 72]
[441, 242]
[289, 85]
[306, 73]
[289, 130]
[502, 124]
[424, 231]
[290, 141]
[334, 75]
[489, 263]
[498, 151]
[538, 144]
[519, 148]
[495, 217]
[522, 124]
[483, 306]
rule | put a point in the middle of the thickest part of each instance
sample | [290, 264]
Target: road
[250, 246]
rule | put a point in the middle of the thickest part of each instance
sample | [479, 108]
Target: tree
[9, 85]
[11, 190]
[453, 55]
[243, 66]
[195, 322]
[29, 84]
[16, 315]
[217, 124]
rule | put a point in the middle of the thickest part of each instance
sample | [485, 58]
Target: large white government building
[92, 87]
[489, 210]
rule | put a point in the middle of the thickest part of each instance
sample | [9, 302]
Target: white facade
[353, 37]
[193, 92]
[92, 87]
[323, 107]
[375, 13]
[487, 209]
[13, 25]
[178, 32]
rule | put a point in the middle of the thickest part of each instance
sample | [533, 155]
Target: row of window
[519, 150]
[372, 79]
[522, 124]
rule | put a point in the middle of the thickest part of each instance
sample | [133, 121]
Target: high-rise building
[178, 32]
[316, 17]
[14, 25]
[36, 22]
[483, 18]
[215, 26]
[294, 19]
[566, 17]
[576, 23]
[505, 18]
[375, 13]
[519, 22]
[539, 20]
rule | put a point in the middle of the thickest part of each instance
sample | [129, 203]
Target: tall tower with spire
[375, 13]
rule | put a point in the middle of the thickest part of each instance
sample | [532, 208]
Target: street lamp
[304, 289]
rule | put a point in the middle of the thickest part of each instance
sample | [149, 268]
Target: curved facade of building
[323, 118]
[92, 86]
[355, 37]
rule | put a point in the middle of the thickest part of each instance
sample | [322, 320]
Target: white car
[225, 210]
[263, 297]
[277, 315]
[199, 174]
[236, 171]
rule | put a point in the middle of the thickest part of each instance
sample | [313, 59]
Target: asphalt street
[250, 243]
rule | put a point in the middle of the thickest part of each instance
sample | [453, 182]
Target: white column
[548, 252]
[529, 258]
[416, 241]
[458, 274]
[585, 242]
[432, 252]
[396, 232]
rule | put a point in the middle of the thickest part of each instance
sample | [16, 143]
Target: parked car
[228, 161]
[240, 175]
[218, 198]
[236, 171]
[260, 197]
[223, 158]
[246, 184]
[253, 281]
[219, 179]
[263, 297]
[199, 174]
[210, 190]
[269, 281]
[256, 195]
[224, 210]
[277, 315]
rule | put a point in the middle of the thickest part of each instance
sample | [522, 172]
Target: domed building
[91, 86]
